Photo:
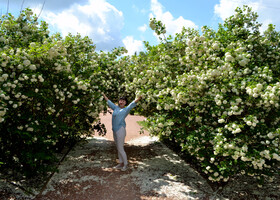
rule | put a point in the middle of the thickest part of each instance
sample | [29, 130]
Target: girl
[120, 112]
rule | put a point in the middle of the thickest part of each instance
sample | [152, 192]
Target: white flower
[221, 121]
[4, 64]
[244, 158]
[219, 102]
[249, 123]
[259, 86]
[30, 129]
[270, 135]
[158, 107]
[32, 44]
[255, 95]
[5, 76]
[238, 130]
[229, 58]
[26, 62]
[32, 67]
[160, 125]
[152, 25]
[166, 107]
[276, 157]
[216, 46]
[4, 55]
[243, 62]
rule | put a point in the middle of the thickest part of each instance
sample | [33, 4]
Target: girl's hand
[105, 97]
[138, 99]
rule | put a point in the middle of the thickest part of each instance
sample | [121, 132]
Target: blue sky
[114, 23]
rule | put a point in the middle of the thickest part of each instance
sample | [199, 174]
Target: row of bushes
[50, 91]
[215, 94]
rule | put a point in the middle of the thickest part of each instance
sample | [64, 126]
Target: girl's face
[122, 103]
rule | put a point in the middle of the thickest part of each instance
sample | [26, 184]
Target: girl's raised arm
[110, 104]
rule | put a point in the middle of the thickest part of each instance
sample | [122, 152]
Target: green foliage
[215, 94]
[50, 91]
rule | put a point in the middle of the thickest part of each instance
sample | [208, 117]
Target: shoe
[124, 168]
[119, 166]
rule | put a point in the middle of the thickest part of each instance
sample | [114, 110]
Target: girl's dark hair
[123, 98]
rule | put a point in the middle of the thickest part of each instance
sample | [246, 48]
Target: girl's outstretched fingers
[138, 99]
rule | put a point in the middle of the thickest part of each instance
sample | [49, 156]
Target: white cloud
[97, 19]
[143, 28]
[133, 45]
[172, 25]
[268, 10]
[226, 7]
[144, 11]
[138, 10]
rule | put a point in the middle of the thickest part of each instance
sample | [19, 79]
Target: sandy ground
[132, 127]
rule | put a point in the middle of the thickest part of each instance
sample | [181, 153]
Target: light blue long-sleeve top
[119, 114]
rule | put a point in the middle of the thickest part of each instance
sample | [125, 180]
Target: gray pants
[119, 137]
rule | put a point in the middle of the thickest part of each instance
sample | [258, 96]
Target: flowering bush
[215, 94]
[50, 91]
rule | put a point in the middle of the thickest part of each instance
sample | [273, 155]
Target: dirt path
[154, 171]
[87, 174]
